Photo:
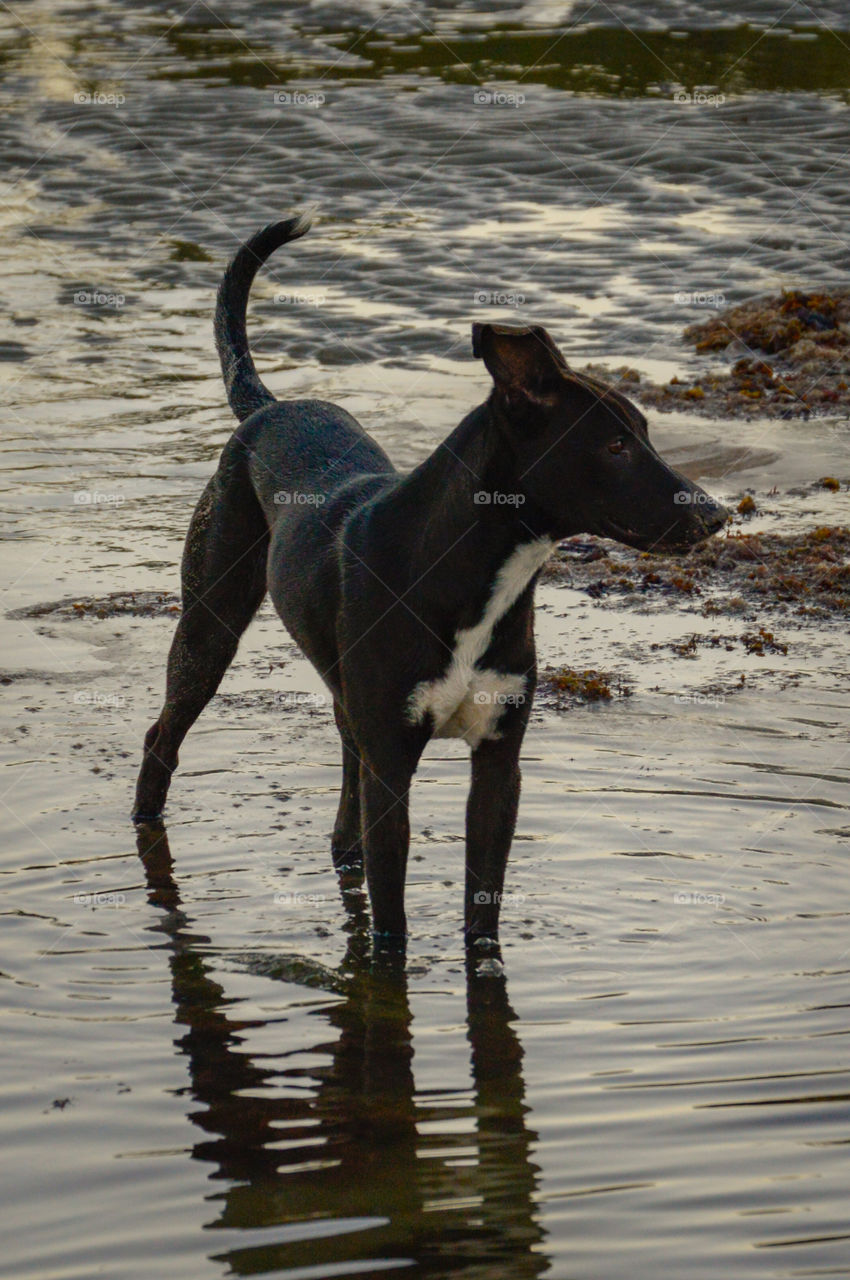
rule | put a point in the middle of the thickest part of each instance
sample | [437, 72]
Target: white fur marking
[468, 702]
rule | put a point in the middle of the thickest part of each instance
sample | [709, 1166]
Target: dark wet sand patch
[118, 604]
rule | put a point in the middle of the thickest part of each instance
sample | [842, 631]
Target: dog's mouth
[683, 539]
[623, 534]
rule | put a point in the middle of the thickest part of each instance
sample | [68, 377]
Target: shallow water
[202, 1073]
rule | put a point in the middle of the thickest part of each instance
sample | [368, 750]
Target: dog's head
[581, 449]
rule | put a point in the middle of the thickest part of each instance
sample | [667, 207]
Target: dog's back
[299, 452]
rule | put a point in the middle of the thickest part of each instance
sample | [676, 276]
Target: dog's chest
[468, 701]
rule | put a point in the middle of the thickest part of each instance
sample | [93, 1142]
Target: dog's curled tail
[245, 391]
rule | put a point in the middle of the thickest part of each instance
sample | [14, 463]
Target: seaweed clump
[805, 334]
[778, 325]
[574, 687]
[806, 573]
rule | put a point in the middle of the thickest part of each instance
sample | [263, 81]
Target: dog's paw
[348, 862]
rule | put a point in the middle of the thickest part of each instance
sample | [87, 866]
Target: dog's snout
[701, 516]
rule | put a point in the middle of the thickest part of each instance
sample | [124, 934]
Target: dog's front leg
[491, 814]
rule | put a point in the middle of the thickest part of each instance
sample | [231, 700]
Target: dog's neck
[443, 495]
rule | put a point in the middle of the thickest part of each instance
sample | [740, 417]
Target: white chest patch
[468, 701]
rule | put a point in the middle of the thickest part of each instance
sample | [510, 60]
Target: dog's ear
[521, 359]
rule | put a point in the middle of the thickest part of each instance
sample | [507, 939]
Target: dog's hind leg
[224, 581]
[347, 844]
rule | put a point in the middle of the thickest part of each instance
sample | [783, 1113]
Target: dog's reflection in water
[340, 1141]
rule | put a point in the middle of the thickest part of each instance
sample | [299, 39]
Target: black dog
[412, 595]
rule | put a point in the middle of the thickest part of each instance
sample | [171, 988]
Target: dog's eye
[617, 446]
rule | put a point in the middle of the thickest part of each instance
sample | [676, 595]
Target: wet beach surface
[202, 1073]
